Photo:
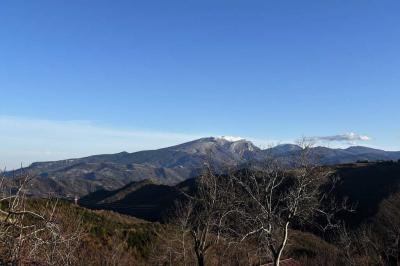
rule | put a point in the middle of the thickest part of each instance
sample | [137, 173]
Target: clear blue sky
[266, 70]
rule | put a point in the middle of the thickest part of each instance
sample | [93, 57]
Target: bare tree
[200, 219]
[184, 213]
[389, 219]
[173, 245]
[272, 200]
[376, 242]
[211, 211]
[33, 234]
[256, 206]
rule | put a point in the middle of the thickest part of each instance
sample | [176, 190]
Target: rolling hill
[366, 185]
[145, 199]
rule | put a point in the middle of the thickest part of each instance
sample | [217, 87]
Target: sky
[94, 76]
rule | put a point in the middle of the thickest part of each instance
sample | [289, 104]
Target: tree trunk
[200, 259]
[398, 251]
[184, 249]
[277, 257]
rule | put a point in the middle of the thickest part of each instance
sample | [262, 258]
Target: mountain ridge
[171, 165]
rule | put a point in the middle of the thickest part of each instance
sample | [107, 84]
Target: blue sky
[85, 77]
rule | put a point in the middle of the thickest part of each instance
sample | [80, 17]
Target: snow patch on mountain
[230, 138]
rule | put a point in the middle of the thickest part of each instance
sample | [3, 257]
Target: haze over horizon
[26, 140]
[83, 78]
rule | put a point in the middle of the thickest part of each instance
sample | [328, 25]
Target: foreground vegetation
[57, 232]
[219, 222]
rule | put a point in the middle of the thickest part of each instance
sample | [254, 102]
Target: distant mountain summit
[230, 138]
[171, 165]
[283, 149]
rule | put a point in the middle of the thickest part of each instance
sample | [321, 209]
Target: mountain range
[171, 165]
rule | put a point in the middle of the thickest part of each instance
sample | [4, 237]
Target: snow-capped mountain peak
[230, 138]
